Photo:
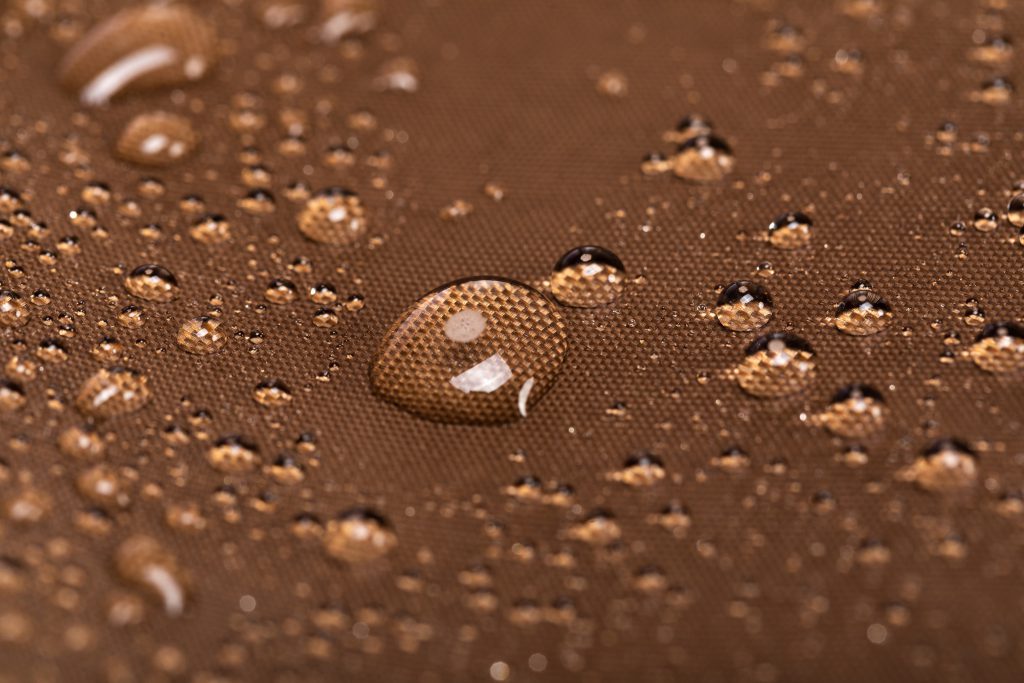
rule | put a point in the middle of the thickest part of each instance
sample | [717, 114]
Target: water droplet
[689, 127]
[202, 335]
[744, 306]
[641, 469]
[613, 83]
[333, 216]
[704, 158]
[597, 528]
[472, 351]
[149, 46]
[343, 18]
[995, 91]
[985, 220]
[157, 138]
[862, 312]
[946, 466]
[281, 292]
[233, 454]
[13, 309]
[777, 364]
[152, 283]
[855, 411]
[359, 535]
[113, 391]
[790, 231]
[1015, 211]
[999, 348]
[731, 460]
[272, 393]
[587, 277]
[141, 560]
[210, 229]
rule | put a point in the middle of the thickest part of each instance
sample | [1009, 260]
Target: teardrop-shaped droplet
[474, 351]
[148, 46]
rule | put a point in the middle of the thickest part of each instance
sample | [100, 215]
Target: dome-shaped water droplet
[999, 348]
[202, 335]
[743, 306]
[473, 351]
[855, 411]
[704, 158]
[587, 277]
[113, 391]
[333, 216]
[777, 364]
[359, 535]
[157, 138]
[152, 282]
[946, 466]
[790, 230]
[862, 312]
[1015, 211]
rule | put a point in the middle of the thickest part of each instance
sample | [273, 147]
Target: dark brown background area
[508, 95]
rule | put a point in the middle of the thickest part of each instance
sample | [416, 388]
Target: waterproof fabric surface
[488, 139]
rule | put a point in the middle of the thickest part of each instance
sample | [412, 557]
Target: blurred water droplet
[149, 46]
[157, 138]
[999, 348]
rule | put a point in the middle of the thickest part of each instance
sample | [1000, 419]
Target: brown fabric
[772, 580]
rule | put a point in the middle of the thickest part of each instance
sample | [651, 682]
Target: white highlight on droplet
[524, 395]
[168, 587]
[111, 80]
[465, 326]
[484, 377]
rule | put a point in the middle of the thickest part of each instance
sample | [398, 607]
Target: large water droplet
[472, 351]
[149, 46]
[587, 277]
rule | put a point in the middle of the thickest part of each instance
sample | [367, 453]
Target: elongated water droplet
[149, 46]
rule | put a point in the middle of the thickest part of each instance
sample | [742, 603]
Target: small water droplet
[862, 312]
[202, 335]
[855, 411]
[333, 216]
[790, 231]
[152, 283]
[704, 158]
[587, 277]
[359, 535]
[777, 364]
[744, 306]
[157, 138]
